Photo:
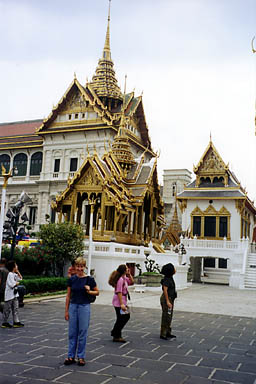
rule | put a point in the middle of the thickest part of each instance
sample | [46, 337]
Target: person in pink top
[120, 279]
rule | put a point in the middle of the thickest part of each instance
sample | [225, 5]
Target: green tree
[61, 242]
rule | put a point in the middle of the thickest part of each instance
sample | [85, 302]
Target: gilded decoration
[75, 102]
[211, 166]
[211, 211]
[240, 206]
[197, 212]
[182, 205]
[116, 213]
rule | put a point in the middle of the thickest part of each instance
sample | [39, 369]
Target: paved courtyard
[210, 348]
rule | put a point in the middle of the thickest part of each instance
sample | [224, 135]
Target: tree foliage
[61, 242]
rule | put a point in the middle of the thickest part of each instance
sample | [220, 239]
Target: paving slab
[209, 348]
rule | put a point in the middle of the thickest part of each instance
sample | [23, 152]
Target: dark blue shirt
[78, 292]
[171, 289]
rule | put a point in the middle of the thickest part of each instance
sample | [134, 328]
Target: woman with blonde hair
[77, 311]
[120, 279]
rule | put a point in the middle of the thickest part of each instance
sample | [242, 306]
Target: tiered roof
[108, 175]
[214, 180]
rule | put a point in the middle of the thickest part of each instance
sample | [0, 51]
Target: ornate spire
[175, 221]
[106, 51]
[104, 81]
[121, 146]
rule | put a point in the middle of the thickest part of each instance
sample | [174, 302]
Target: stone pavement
[210, 348]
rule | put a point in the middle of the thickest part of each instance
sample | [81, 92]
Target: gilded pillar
[228, 231]
[202, 226]
[217, 234]
[73, 208]
[136, 223]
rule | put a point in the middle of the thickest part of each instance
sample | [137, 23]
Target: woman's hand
[169, 305]
[123, 307]
[87, 288]
[66, 316]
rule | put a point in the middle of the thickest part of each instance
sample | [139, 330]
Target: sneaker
[172, 337]
[6, 325]
[18, 325]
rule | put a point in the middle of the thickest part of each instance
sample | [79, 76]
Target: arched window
[174, 187]
[36, 163]
[20, 161]
[5, 161]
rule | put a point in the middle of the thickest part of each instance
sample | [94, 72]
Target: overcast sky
[192, 59]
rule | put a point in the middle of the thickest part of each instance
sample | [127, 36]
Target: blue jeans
[79, 319]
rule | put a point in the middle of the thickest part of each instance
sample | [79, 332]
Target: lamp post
[6, 176]
[91, 201]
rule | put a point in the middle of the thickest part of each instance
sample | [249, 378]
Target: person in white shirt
[11, 295]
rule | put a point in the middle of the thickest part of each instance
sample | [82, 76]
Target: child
[11, 296]
[72, 269]
[167, 300]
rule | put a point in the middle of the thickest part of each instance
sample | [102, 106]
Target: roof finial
[210, 137]
[253, 50]
[122, 122]
[106, 51]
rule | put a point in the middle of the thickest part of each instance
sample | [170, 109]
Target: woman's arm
[94, 291]
[165, 290]
[120, 297]
[19, 274]
[67, 303]
[131, 281]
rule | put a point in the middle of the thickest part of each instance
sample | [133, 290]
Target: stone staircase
[250, 272]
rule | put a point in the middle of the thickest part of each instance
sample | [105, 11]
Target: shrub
[61, 242]
[151, 265]
[45, 284]
[31, 261]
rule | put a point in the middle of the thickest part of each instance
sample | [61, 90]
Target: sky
[191, 59]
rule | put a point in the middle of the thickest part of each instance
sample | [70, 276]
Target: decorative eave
[93, 100]
[201, 161]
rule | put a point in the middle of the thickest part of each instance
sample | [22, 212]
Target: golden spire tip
[253, 50]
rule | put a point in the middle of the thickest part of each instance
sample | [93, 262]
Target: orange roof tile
[19, 127]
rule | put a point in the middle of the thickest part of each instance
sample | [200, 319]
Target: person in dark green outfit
[167, 301]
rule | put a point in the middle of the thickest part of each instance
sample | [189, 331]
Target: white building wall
[217, 204]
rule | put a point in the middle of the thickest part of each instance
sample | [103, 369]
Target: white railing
[245, 257]
[113, 248]
[214, 244]
[253, 248]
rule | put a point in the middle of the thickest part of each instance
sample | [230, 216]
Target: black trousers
[121, 320]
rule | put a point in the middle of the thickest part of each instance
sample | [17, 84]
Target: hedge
[46, 284]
